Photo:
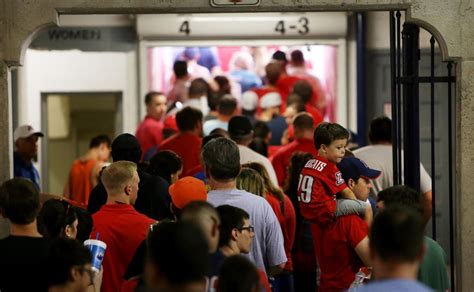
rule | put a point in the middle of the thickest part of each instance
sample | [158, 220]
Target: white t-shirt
[380, 157]
[199, 103]
[248, 155]
[214, 124]
[267, 247]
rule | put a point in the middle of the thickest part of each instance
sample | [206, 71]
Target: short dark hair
[303, 89]
[174, 245]
[261, 130]
[221, 158]
[259, 145]
[98, 140]
[280, 56]
[303, 121]
[401, 195]
[65, 254]
[223, 83]
[297, 57]
[227, 105]
[397, 234]
[238, 274]
[149, 96]
[188, 118]
[198, 87]
[19, 200]
[231, 217]
[326, 133]
[165, 163]
[213, 100]
[380, 130]
[84, 225]
[272, 72]
[180, 69]
[126, 147]
[54, 216]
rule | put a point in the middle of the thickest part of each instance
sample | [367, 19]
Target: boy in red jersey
[322, 192]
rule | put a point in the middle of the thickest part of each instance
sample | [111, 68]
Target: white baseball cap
[270, 99]
[249, 100]
[25, 131]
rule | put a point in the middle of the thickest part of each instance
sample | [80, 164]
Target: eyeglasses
[249, 228]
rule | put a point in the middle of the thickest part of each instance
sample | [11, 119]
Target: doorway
[70, 121]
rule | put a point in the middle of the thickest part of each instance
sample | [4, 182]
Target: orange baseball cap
[187, 190]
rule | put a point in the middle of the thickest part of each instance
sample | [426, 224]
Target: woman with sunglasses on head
[58, 218]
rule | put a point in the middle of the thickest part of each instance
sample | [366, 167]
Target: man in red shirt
[272, 73]
[304, 90]
[186, 143]
[342, 246]
[118, 224]
[286, 82]
[150, 131]
[303, 131]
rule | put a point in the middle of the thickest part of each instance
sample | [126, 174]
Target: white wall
[76, 71]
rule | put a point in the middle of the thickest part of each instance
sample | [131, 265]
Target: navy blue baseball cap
[352, 167]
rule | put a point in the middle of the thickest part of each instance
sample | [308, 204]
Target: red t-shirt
[285, 86]
[335, 244]
[187, 146]
[315, 113]
[122, 228]
[149, 133]
[287, 220]
[320, 181]
[281, 159]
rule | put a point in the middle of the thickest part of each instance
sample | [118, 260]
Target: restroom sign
[227, 3]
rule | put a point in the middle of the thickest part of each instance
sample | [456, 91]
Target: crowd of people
[215, 193]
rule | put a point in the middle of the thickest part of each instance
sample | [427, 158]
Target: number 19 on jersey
[305, 188]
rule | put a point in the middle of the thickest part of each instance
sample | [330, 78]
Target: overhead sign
[242, 25]
[227, 3]
[119, 38]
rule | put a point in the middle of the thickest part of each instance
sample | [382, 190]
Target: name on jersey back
[316, 165]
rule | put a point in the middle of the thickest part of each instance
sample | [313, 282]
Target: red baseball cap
[187, 190]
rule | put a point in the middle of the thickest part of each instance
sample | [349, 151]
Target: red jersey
[315, 113]
[320, 181]
[285, 86]
[335, 244]
[122, 228]
[287, 220]
[149, 133]
[187, 146]
[281, 159]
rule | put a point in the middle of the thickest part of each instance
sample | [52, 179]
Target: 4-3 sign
[243, 25]
[302, 27]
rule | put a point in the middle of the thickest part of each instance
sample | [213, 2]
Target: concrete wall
[451, 21]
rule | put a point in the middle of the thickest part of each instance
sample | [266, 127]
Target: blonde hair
[117, 176]
[249, 180]
[270, 187]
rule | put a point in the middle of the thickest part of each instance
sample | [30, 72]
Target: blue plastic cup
[97, 249]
